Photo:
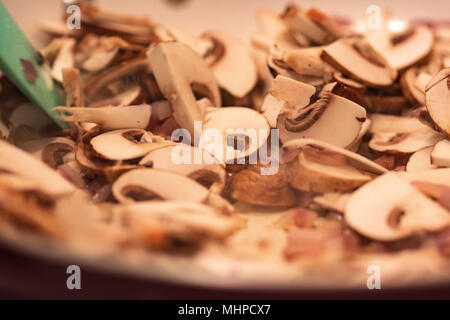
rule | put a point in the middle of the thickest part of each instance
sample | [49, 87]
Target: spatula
[18, 61]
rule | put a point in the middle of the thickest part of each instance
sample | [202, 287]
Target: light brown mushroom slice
[405, 142]
[251, 187]
[411, 92]
[73, 86]
[296, 94]
[178, 79]
[273, 27]
[25, 165]
[110, 117]
[382, 123]
[412, 49]
[435, 176]
[332, 119]
[103, 78]
[150, 184]
[440, 156]
[128, 97]
[99, 60]
[333, 201]
[306, 61]
[388, 209]
[65, 59]
[126, 144]
[188, 161]
[320, 167]
[235, 69]
[342, 55]
[438, 100]
[234, 127]
[420, 160]
[422, 79]
[354, 146]
[271, 108]
[176, 225]
[278, 66]
[297, 20]
[50, 150]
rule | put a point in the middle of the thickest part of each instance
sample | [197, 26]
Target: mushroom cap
[177, 79]
[388, 208]
[233, 122]
[235, 70]
[438, 100]
[159, 183]
[342, 55]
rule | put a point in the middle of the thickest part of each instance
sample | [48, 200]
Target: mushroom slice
[273, 27]
[414, 47]
[320, 167]
[188, 161]
[345, 57]
[235, 69]
[382, 123]
[176, 225]
[298, 21]
[440, 156]
[278, 66]
[151, 184]
[296, 94]
[355, 145]
[404, 142]
[306, 61]
[240, 131]
[333, 201]
[51, 151]
[178, 80]
[126, 144]
[271, 108]
[332, 119]
[420, 160]
[65, 59]
[73, 86]
[23, 201]
[25, 165]
[388, 209]
[129, 97]
[125, 68]
[438, 100]
[435, 176]
[250, 186]
[110, 117]
[411, 92]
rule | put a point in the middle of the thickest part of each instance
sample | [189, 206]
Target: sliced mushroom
[331, 119]
[51, 150]
[344, 56]
[405, 142]
[333, 201]
[388, 208]
[176, 225]
[420, 160]
[25, 165]
[440, 155]
[73, 86]
[296, 94]
[298, 20]
[188, 161]
[126, 144]
[277, 31]
[153, 184]
[233, 133]
[320, 167]
[250, 186]
[438, 99]
[412, 48]
[65, 59]
[111, 117]
[411, 92]
[386, 104]
[179, 80]
[131, 96]
[271, 108]
[234, 69]
[306, 61]
[382, 123]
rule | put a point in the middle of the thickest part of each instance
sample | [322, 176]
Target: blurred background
[235, 16]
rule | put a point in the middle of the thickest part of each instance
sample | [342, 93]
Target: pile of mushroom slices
[363, 121]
